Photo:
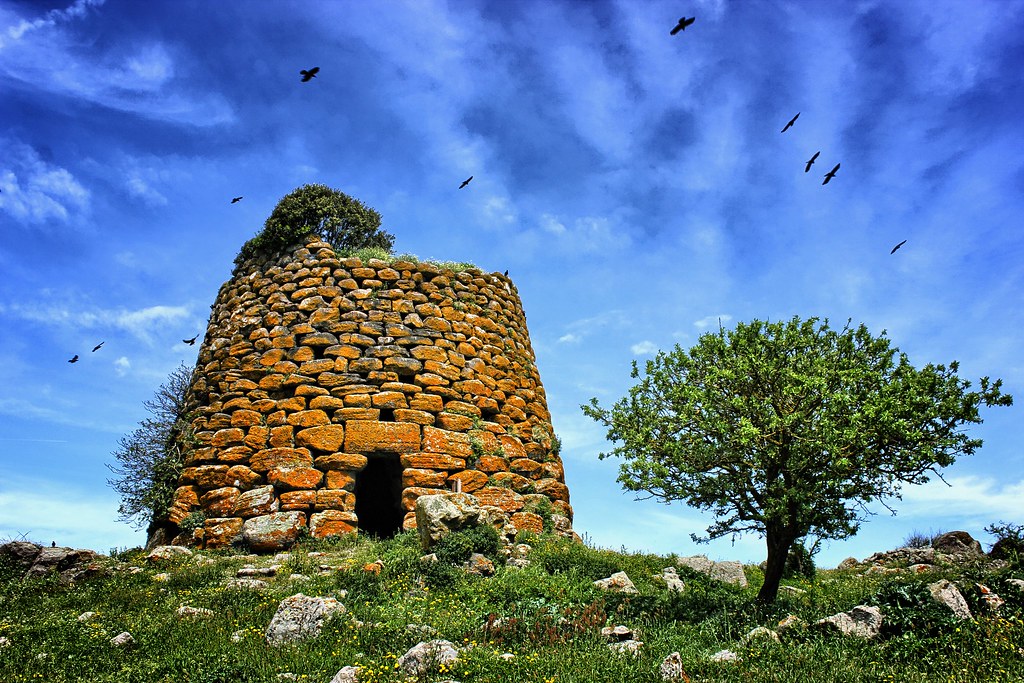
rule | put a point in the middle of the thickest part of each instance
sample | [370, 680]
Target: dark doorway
[379, 496]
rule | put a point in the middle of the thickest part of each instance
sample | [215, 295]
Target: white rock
[246, 584]
[946, 593]
[861, 621]
[671, 668]
[187, 612]
[618, 582]
[300, 617]
[631, 647]
[725, 656]
[423, 657]
[87, 616]
[123, 639]
[349, 674]
[165, 553]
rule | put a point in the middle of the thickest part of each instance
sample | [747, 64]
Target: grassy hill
[547, 616]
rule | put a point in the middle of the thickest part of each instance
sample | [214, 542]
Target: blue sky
[635, 184]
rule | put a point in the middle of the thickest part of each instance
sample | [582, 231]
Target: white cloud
[63, 514]
[643, 348]
[122, 365]
[569, 338]
[51, 18]
[140, 323]
[35, 191]
[965, 496]
[552, 224]
[712, 320]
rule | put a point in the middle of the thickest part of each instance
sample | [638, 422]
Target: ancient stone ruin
[330, 393]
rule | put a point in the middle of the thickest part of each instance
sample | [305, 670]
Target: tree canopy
[344, 221]
[789, 429]
[150, 459]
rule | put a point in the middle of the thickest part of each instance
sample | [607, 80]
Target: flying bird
[97, 347]
[465, 182]
[74, 360]
[897, 247]
[235, 200]
[307, 75]
[791, 122]
[810, 162]
[683, 23]
[831, 174]
[192, 341]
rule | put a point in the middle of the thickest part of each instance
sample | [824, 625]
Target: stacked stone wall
[313, 364]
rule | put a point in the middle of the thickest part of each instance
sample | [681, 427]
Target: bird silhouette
[810, 162]
[235, 200]
[683, 23]
[192, 341]
[830, 175]
[506, 273]
[74, 360]
[465, 182]
[97, 347]
[307, 75]
[791, 122]
[897, 247]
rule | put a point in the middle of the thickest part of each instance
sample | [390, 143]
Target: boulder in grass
[348, 674]
[618, 582]
[300, 617]
[671, 669]
[862, 621]
[946, 593]
[422, 658]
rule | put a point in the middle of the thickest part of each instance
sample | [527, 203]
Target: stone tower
[330, 393]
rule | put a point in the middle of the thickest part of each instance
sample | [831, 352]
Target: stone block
[274, 532]
[363, 436]
[444, 441]
[266, 460]
[327, 438]
[347, 462]
[332, 523]
[294, 478]
[258, 501]
[221, 532]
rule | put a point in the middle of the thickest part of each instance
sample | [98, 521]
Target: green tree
[345, 222]
[789, 429]
[150, 458]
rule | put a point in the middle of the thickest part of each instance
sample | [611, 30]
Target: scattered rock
[123, 639]
[792, 590]
[790, 622]
[187, 612]
[862, 621]
[617, 634]
[728, 571]
[618, 582]
[69, 563]
[946, 593]
[167, 553]
[300, 617]
[671, 579]
[86, 617]
[761, 633]
[21, 554]
[348, 674]
[907, 555]
[671, 669]
[249, 571]
[246, 584]
[162, 577]
[423, 657]
[959, 543]
[4, 642]
[848, 563]
[725, 656]
[992, 601]
[921, 568]
[480, 564]
[1018, 583]
[273, 532]
[631, 647]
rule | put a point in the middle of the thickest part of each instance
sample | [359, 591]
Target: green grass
[548, 615]
[384, 255]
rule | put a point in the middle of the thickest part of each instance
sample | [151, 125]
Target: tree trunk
[778, 550]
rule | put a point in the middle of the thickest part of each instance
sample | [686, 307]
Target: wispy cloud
[712, 320]
[51, 18]
[35, 192]
[569, 338]
[643, 348]
[140, 323]
[122, 365]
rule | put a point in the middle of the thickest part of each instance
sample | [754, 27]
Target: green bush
[800, 563]
[346, 223]
[1009, 543]
[456, 547]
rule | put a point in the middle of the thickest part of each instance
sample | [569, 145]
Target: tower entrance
[379, 496]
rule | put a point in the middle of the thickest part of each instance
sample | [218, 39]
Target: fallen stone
[300, 617]
[946, 593]
[631, 647]
[86, 617]
[69, 563]
[792, 590]
[728, 571]
[725, 656]
[123, 639]
[348, 674]
[617, 634]
[273, 532]
[618, 582]
[1018, 583]
[437, 515]
[760, 634]
[992, 601]
[187, 612]
[848, 563]
[958, 543]
[421, 658]
[480, 565]
[21, 554]
[246, 584]
[671, 669]
[168, 553]
[862, 621]
[790, 622]
[671, 579]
